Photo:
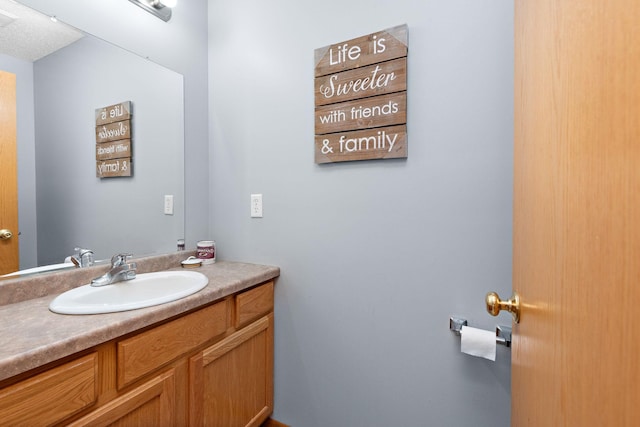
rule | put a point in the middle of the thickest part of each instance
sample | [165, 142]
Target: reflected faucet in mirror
[82, 257]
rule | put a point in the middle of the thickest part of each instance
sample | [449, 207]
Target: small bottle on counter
[206, 251]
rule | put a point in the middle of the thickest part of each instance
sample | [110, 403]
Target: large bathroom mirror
[62, 203]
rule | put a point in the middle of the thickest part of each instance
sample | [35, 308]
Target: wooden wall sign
[113, 140]
[361, 98]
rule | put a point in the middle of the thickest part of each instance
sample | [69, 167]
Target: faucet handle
[119, 259]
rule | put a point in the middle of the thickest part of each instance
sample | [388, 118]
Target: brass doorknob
[495, 305]
[5, 234]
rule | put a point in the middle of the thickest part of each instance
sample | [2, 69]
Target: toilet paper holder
[503, 333]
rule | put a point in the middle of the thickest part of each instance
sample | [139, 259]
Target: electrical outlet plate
[168, 204]
[256, 206]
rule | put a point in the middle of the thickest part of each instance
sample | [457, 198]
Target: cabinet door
[150, 350]
[231, 382]
[51, 396]
[151, 404]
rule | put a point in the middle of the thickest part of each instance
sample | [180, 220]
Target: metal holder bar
[503, 333]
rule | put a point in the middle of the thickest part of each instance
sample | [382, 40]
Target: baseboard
[273, 423]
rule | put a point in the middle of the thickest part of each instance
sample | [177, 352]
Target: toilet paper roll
[478, 342]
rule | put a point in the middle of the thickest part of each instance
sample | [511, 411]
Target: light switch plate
[168, 204]
[256, 206]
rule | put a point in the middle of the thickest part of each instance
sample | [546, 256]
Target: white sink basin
[144, 291]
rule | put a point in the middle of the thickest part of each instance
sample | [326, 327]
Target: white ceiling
[30, 35]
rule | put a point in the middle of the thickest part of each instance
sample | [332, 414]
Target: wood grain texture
[273, 423]
[576, 242]
[234, 379]
[376, 79]
[114, 113]
[151, 404]
[114, 168]
[368, 49]
[113, 150]
[9, 249]
[196, 390]
[380, 143]
[253, 303]
[361, 84]
[113, 131]
[107, 367]
[150, 350]
[221, 348]
[167, 382]
[384, 110]
[52, 396]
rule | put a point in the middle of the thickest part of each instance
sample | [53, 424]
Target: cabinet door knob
[495, 305]
[5, 234]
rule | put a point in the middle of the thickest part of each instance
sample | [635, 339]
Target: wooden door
[9, 261]
[576, 247]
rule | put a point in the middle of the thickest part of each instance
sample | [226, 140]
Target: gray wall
[180, 45]
[377, 255]
[26, 157]
[109, 215]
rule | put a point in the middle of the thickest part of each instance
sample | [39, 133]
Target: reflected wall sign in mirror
[62, 204]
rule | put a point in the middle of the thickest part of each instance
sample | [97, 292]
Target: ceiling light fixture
[159, 8]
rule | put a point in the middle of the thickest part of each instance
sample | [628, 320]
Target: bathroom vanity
[204, 360]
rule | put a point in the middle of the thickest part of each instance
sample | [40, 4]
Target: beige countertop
[32, 336]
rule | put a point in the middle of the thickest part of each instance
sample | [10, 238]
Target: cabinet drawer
[51, 396]
[254, 303]
[149, 350]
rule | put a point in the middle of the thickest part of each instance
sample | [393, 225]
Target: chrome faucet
[82, 257]
[120, 271]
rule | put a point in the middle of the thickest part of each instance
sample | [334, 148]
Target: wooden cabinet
[148, 351]
[150, 404]
[232, 381]
[211, 367]
[51, 396]
[251, 304]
